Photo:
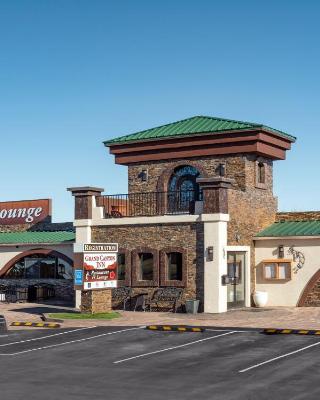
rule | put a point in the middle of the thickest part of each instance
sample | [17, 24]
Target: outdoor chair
[168, 299]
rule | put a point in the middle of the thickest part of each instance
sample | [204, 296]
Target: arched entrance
[310, 296]
[183, 189]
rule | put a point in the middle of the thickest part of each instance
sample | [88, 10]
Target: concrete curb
[272, 331]
[176, 328]
[48, 319]
[36, 324]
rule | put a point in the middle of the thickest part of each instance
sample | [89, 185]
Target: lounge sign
[100, 265]
[25, 212]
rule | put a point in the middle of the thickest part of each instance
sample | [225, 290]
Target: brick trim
[135, 282]
[164, 281]
[162, 184]
[127, 280]
[308, 289]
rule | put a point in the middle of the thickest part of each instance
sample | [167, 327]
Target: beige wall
[287, 293]
[8, 252]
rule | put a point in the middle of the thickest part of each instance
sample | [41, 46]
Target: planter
[260, 298]
[192, 306]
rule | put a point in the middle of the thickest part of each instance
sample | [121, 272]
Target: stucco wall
[287, 293]
[8, 252]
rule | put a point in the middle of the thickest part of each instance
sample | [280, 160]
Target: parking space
[128, 362]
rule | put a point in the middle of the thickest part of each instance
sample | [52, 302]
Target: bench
[168, 298]
[120, 297]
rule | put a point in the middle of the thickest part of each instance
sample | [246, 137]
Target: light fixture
[222, 169]
[210, 253]
[143, 175]
[280, 251]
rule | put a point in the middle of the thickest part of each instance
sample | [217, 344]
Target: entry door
[236, 274]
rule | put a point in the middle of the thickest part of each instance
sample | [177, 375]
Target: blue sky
[74, 73]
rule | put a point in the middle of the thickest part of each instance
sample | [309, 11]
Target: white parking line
[45, 337]
[279, 357]
[225, 330]
[70, 342]
[172, 348]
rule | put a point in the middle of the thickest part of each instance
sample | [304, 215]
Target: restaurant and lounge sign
[100, 265]
[25, 212]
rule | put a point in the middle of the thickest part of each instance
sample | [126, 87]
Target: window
[174, 262]
[145, 272]
[261, 173]
[121, 266]
[277, 269]
[39, 266]
[173, 267]
[145, 267]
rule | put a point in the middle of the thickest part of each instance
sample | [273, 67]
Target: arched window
[261, 173]
[40, 266]
[183, 188]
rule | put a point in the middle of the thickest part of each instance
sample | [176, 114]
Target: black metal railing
[149, 203]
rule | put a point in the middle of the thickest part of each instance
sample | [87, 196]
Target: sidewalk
[275, 317]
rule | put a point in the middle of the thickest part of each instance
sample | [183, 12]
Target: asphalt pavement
[134, 363]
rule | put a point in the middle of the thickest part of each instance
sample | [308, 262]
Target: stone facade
[252, 206]
[63, 287]
[298, 216]
[159, 237]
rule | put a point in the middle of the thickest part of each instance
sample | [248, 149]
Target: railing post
[83, 197]
[215, 194]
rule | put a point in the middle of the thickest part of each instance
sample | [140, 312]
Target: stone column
[84, 204]
[84, 201]
[215, 220]
[215, 194]
[96, 301]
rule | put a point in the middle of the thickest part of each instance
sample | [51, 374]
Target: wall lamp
[143, 175]
[222, 169]
[280, 251]
[210, 253]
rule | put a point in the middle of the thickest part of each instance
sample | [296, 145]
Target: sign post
[100, 265]
[97, 276]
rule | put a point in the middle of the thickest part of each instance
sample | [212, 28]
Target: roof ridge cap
[254, 124]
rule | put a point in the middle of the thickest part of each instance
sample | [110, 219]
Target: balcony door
[183, 189]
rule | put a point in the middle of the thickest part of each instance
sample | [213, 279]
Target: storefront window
[40, 267]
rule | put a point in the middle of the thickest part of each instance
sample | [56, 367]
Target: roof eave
[287, 237]
[262, 128]
[36, 243]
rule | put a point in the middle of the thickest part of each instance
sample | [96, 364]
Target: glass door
[236, 274]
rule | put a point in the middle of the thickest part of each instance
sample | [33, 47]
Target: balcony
[149, 204]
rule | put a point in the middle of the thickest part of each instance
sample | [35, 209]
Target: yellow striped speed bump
[36, 324]
[271, 331]
[175, 328]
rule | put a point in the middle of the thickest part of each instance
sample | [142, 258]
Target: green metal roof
[36, 237]
[192, 126]
[291, 228]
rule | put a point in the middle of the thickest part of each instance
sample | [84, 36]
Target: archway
[34, 252]
[310, 296]
[183, 189]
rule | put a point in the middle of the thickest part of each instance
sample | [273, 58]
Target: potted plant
[260, 298]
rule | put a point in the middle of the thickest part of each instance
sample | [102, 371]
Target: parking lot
[135, 363]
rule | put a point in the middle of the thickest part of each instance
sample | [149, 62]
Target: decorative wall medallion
[298, 258]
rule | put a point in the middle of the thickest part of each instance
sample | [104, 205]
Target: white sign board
[100, 265]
